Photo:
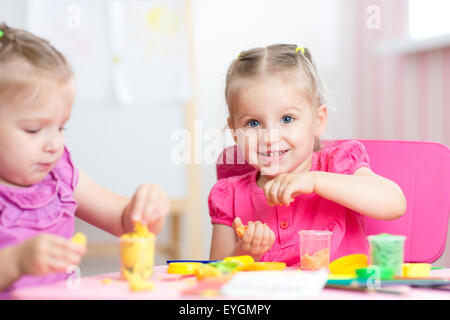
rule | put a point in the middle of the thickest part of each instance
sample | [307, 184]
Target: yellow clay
[138, 284]
[242, 259]
[341, 276]
[207, 271]
[262, 266]
[79, 238]
[416, 270]
[183, 267]
[137, 253]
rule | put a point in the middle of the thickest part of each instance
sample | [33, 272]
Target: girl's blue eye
[253, 123]
[287, 119]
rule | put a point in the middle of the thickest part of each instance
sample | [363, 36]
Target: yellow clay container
[183, 267]
[242, 259]
[137, 251]
[347, 265]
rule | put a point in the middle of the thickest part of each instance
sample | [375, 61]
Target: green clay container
[387, 251]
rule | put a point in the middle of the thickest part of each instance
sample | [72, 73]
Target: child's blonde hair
[276, 60]
[26, 59]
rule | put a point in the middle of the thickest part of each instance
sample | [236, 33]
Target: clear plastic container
[314, 249]
[137, 257]
[387, 251]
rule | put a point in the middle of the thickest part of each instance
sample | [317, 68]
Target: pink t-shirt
[240, 196]
[46, 207]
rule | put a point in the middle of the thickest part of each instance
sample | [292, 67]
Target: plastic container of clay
[387, 251]
[314, 249]
[137, 256]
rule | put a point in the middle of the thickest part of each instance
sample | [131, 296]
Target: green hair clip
[1, 33]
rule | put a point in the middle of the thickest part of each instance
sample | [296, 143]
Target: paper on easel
[150, 51]
[78, 29]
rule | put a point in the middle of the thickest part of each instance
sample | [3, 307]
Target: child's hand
[47, 253]
[257, 239]
[149, 205]
[285, 187]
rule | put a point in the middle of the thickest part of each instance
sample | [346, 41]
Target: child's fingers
[258, 241]
[272, 237]
[267, 187]
[161, 210]
[57, 265]
[269, 190]
[265, 242]
[67, 251]
[257, 235]
[273, 192]
[51, 242]
[156, 206]
[53, 254]
[149, 208]
[65, 257]
[286, 193]
[236, 222]
[138, 202]
[156, 211]
[248, 235]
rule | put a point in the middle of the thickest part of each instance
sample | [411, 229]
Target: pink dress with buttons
[46, 207]
[240, 196]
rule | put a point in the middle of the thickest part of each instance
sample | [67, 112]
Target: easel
[190, 205]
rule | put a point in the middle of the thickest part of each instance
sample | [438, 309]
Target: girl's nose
[269, 136]
[53, 144]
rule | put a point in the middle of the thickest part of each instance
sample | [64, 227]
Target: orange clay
[262, 266]
[240, 230]
[320, 259]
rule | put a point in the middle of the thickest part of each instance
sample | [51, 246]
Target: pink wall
[404, 97]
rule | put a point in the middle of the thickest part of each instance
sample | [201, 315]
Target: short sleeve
[66, 171]
[348, 157]
[220, 203]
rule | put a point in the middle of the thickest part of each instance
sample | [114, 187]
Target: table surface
[171, 287]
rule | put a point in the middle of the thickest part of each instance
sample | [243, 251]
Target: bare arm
[116, 214]
[364, 192]
[99, 206]
[9, 267]
[223, 242]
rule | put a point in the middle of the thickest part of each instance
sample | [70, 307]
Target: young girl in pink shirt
[41, 191]
[277, 113]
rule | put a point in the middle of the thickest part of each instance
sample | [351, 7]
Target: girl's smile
[276, 125]
[270, 157]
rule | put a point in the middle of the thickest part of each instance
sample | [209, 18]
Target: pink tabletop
[170, 287]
